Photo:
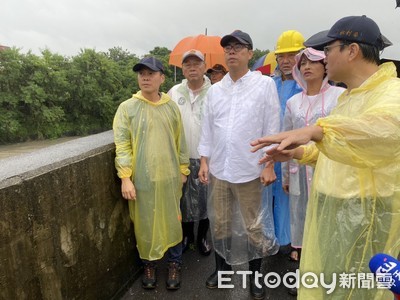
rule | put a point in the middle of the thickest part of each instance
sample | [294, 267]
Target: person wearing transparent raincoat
[316, 100]
[152, 161]
[353, 211]
[238, 108]
[289, 44]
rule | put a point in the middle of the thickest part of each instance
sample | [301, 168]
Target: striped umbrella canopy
[266, 64]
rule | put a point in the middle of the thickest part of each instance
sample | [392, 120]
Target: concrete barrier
[65, 231]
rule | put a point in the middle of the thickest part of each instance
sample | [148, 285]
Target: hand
[268, 175]
[183, 178]
[274, 155]
[285, 188]
[289, 139]
[203, 171]
[128, 189]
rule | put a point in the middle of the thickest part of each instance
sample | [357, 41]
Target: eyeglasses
[328, 48]
[235, 47]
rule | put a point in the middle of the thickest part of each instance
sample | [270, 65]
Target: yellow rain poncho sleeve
[354, 208]
[310, 155]
[151, 149]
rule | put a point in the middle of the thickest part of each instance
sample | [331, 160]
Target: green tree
[50, 95]
[43, 94]
[31, 95]
[94, 81]
[127, 80]
[11, 80]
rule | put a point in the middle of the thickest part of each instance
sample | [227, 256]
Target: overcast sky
[66, 26]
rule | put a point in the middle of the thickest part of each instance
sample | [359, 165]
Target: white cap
[194, 53]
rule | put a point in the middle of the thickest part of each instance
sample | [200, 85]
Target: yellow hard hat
[289, 41]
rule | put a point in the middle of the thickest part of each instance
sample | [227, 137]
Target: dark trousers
[174, 255]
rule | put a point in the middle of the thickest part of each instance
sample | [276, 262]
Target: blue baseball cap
[357, 29]
[318, 40]
[242, 37]
[149, 62]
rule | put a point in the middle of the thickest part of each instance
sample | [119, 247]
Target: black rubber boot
[220, 265]
[255, 291]
[202, 243]
[188, 236]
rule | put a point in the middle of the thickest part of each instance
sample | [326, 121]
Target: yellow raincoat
[354, 209]
[151, 149]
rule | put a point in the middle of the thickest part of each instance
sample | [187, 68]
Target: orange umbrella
[207, 44]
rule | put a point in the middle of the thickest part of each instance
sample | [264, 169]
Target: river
[27, 147]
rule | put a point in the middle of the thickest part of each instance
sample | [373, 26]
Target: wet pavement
[195, 270]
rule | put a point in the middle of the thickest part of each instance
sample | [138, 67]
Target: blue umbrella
[260, 62]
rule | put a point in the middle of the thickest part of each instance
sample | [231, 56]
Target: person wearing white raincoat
[353, 211]
[316, 100]
[190, 96]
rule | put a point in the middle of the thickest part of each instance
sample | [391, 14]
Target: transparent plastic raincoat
[303, 110]
[151, 149]
[354, 208]
[286, 89]
[235, 114]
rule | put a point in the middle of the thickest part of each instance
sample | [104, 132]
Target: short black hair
[369, 52]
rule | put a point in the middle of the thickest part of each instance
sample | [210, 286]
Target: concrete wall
[65, 231]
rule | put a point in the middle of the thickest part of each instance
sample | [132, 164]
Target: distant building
[4, 47]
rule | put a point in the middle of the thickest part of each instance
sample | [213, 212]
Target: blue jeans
[174, 255]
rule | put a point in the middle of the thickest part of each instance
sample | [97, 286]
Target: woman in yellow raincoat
[354, 208]
[152, 161]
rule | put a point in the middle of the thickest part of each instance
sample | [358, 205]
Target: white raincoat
[303, 110]
[194, 198]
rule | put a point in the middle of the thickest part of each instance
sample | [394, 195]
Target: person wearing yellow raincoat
[152, 161]
[354, 208]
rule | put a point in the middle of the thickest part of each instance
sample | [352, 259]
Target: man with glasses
[238, 108]
[353, 212]
[190, 96]
[288, 45]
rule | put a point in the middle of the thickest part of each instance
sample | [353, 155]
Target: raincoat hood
[313, 55]
[164, 98]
